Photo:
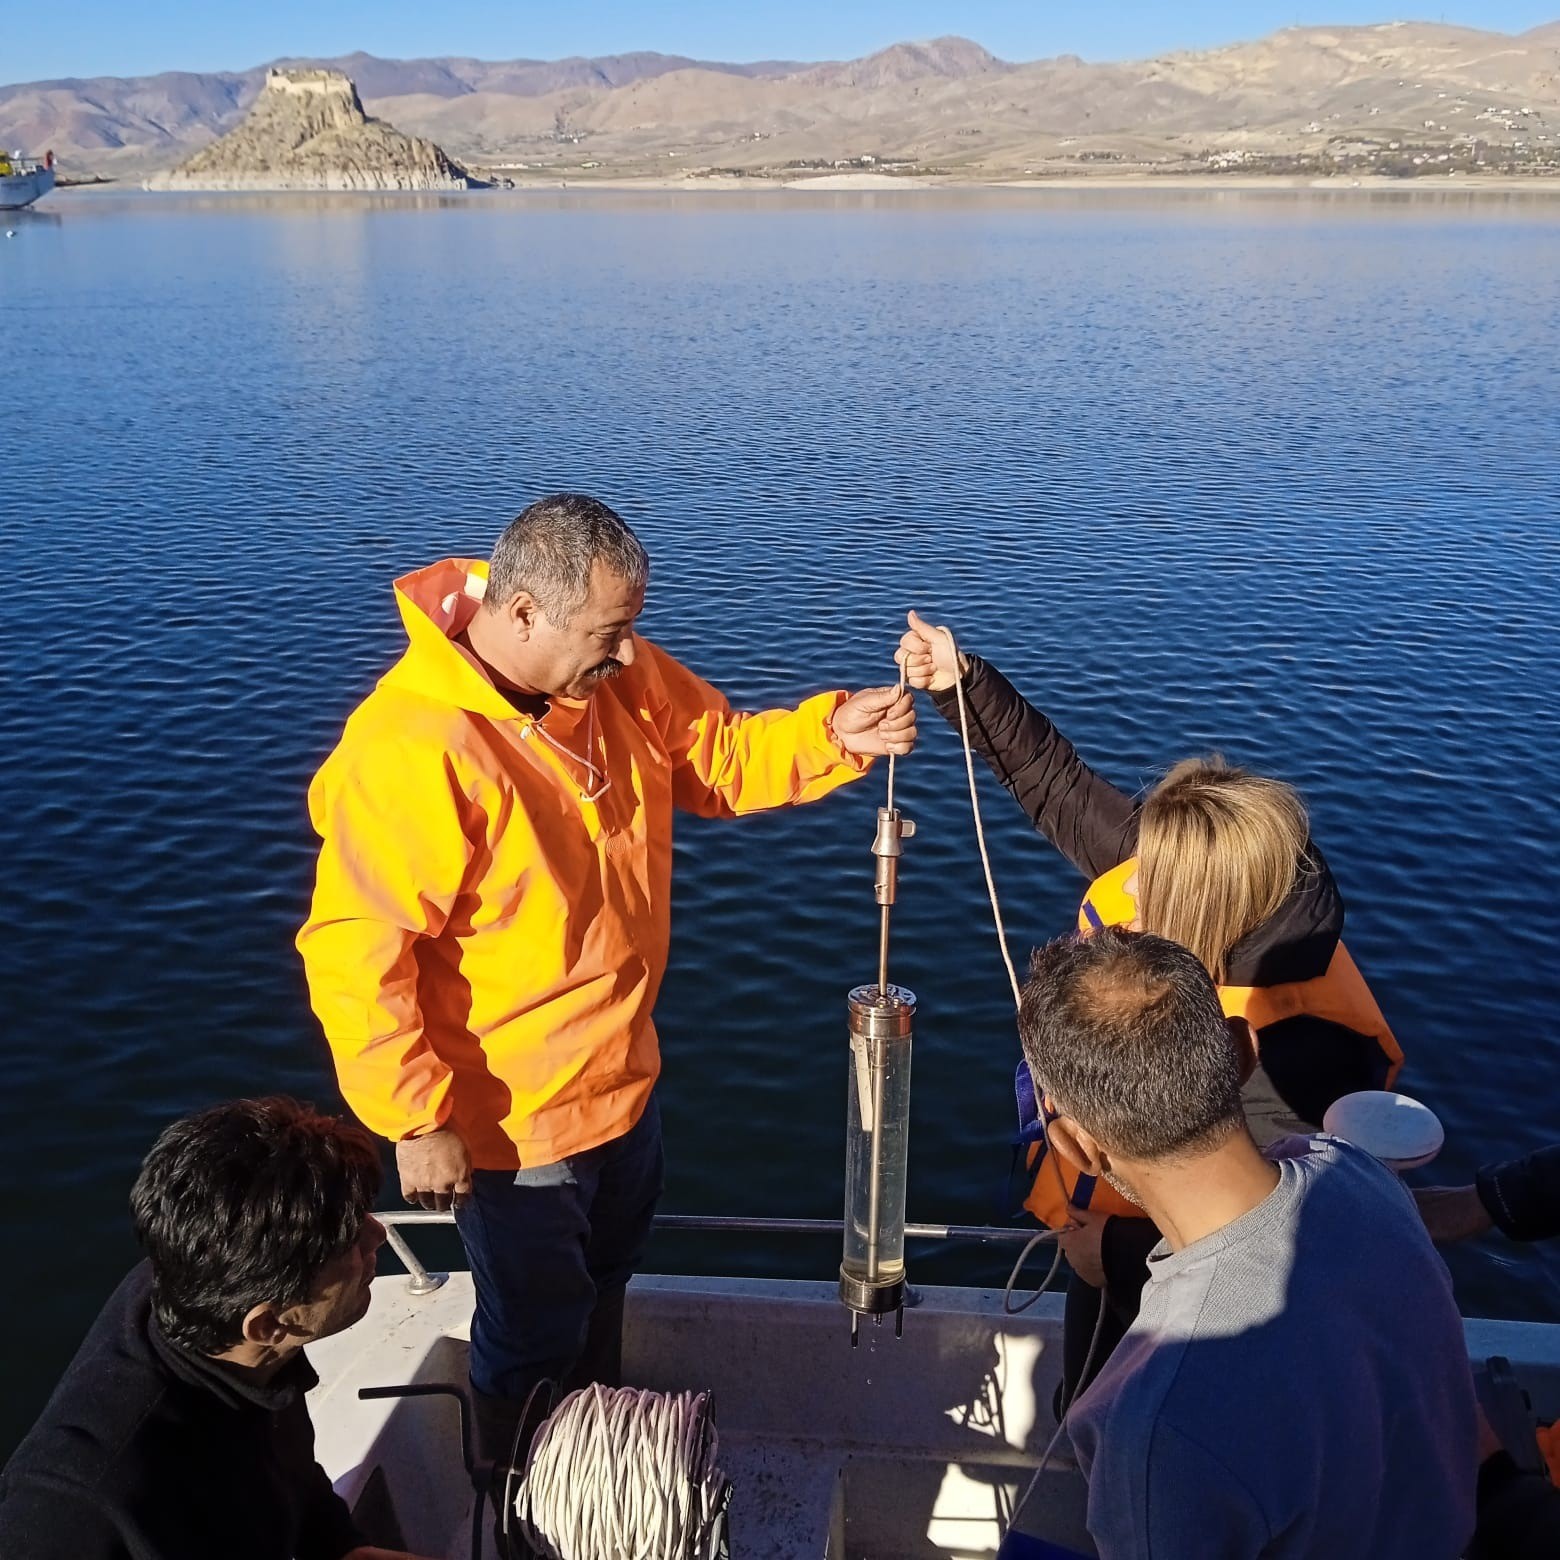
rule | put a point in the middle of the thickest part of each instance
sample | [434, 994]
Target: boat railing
[421, 1281]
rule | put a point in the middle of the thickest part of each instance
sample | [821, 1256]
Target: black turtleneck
[149, 1452]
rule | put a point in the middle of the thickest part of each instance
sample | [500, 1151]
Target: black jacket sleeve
[1522, 1196]
[327, 1531]
[1084, 816]
[45, 1517]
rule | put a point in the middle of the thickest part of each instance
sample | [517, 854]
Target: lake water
[1277, 475]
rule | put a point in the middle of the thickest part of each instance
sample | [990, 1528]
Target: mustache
[606, 670]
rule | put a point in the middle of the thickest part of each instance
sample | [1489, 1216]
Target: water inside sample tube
[877, 1135]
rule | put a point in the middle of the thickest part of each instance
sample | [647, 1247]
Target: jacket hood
[436, 604]
[1297, 941]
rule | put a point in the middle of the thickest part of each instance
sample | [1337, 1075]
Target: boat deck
[910, 1447]
[897, 1450]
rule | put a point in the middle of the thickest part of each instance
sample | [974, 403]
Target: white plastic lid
[1398, 1131]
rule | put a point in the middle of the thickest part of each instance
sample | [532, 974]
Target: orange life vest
[1339, 996]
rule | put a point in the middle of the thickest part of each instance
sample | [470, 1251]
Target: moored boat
[24, 179]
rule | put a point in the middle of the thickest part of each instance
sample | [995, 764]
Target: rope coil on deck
[623, 1473]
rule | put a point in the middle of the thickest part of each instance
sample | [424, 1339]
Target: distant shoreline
[866, 183]
[890, 184]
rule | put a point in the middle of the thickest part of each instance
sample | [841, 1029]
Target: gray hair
[1125, 1032]
[550, 548]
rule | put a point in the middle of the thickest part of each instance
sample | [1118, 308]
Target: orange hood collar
[436, 604]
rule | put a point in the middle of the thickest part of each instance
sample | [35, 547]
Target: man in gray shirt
[1296, 1383]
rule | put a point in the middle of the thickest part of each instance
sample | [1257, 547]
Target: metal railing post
[419, 1281]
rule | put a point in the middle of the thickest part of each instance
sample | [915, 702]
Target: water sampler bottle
[877, 1112]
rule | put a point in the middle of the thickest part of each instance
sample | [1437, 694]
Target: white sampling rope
[980, 828]
[1061, 1422]
[893, 757]
[624, 1473]
[1037, 1239]
[1040, 1236]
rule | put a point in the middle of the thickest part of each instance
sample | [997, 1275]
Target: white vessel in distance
[23, 179]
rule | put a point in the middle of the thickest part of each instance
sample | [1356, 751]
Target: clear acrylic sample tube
[877, 1142]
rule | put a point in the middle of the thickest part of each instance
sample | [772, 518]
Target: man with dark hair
[491, 916]
[1296, 1383]
[179, 1431]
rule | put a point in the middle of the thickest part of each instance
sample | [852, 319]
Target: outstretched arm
[1092, 823]
[726, 763]
[1521, 1197]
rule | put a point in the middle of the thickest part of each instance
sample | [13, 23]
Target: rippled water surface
[1277, 476]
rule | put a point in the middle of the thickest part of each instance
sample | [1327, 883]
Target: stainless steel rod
[739, 1224]
[883, 955]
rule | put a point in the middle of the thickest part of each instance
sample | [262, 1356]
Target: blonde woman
[1214, 858]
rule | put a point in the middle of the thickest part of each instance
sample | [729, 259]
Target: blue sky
[113, 37]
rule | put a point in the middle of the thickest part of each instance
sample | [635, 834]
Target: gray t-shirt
[1295, 1385]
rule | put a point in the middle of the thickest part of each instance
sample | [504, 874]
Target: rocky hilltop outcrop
[307, 131]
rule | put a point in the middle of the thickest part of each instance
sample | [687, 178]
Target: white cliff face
[307, 131]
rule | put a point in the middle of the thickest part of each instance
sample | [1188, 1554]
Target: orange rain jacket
[485, 945]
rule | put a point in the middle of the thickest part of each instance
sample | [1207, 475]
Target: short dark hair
[243, 1205]
[550, 547]
[1125, 1032]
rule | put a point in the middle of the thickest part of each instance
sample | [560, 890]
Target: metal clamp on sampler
[877, 1118]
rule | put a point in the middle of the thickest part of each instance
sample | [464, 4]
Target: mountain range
[943, 105]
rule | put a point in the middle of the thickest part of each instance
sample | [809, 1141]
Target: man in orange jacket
[490, 919]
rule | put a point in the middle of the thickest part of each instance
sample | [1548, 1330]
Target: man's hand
[876, 721]
[928, 656]
[1452, 1212]
[435, 1169]
[373, 1552]
[1082, 1245]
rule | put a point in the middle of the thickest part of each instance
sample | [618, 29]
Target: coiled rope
[623, 1473]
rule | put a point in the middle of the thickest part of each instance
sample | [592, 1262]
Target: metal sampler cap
[878, 1014]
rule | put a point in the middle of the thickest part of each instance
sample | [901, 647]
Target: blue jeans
[551, 1252]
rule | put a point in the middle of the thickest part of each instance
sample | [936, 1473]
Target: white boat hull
[22, 189]
[913, 1448]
